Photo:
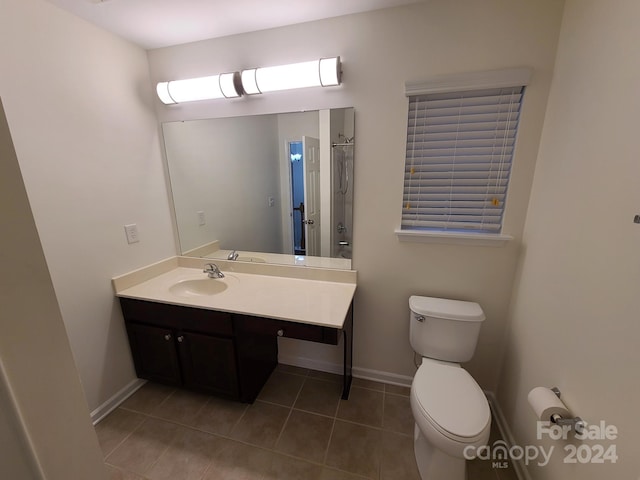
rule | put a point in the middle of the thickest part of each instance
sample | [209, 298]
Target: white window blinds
[459, 153]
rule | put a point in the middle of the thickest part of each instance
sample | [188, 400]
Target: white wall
[575, 309]
[380, 51]
[16, 459]
[80, 109]
[226, 169]
[45, 429]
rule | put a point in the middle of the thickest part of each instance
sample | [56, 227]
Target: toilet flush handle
[420, 318]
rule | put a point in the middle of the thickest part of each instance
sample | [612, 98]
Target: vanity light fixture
[317, 73]
[225, 85]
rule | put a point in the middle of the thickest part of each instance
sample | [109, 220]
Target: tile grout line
[384, 398]
[125, 438]
[333, 426]
[244, 412]
[326, 450]
[150, 467]
[289, 414]
[147, 417]
[165, 399]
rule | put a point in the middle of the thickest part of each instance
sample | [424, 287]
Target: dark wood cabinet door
[154, 353]
[208, 363]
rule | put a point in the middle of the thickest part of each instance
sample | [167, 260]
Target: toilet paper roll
[546, 403]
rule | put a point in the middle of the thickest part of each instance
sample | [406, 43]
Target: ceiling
[161, 23]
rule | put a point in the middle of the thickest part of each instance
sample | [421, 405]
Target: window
[459, 152]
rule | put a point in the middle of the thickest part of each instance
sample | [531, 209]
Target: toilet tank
[444, 329]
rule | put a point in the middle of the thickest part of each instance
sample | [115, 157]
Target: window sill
[450, 238]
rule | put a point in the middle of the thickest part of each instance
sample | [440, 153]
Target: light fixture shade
[249, 83]
[225, 85]
[330, 70]
[317, 73]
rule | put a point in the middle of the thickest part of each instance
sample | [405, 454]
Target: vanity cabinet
[269, 327]
[208, 363]
[154, 353]
[182, 346]
[229, 354]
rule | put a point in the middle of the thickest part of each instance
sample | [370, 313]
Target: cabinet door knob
[167, 337]
[181, 338]
[280, 333]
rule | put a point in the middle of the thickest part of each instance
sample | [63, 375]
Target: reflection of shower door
[311, 159]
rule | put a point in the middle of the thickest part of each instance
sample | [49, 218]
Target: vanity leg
[347, 337]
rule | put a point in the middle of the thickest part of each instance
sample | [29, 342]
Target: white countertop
[316, 302]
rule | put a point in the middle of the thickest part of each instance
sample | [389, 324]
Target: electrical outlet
[201, 220]
[132, 233]
[271, 201]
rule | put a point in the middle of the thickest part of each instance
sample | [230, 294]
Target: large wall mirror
[273, 188]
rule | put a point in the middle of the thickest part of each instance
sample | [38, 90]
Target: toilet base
[434, 464]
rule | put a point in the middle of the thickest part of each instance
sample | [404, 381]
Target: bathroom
[559, 298]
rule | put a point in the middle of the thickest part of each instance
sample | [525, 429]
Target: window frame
[459, 83]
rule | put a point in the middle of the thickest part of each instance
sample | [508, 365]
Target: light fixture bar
[317, 73]
[225, 85]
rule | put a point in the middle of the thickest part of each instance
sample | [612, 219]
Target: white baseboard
[518, 465]
[112, 403]
[311, 363]
[357, 372]
[384, 377]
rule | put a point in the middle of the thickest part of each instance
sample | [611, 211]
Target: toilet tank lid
[447, 309]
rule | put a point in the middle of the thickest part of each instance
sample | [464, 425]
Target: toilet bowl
[451, 412]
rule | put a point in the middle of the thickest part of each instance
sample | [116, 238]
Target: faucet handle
[210, 267]
[213, 271]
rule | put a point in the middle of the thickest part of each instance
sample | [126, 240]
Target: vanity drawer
[281, 328]
[178, 317]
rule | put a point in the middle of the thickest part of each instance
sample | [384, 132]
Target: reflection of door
[311, 158]
[297, 197]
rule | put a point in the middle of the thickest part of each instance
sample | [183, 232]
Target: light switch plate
[132, 233]
[201, 220]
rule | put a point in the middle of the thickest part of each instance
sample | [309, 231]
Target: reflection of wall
[227, 169]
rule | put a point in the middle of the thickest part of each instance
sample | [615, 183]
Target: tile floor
[297, 429]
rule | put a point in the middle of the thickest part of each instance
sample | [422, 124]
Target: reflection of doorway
[311, 168]
[297, 197]
[304, 158]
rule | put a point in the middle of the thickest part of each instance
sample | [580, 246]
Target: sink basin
[198, 287]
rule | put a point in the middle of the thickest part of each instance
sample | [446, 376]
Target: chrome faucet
[213, 271]
[233, 255]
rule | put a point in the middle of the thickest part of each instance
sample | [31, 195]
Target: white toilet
[450, 410]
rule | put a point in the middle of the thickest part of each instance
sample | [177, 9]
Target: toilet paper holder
[576, 423]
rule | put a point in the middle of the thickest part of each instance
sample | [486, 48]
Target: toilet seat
[451, 401]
